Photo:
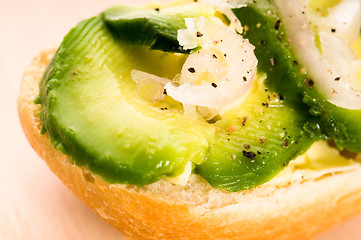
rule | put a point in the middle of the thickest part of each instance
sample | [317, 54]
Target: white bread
[162, 210]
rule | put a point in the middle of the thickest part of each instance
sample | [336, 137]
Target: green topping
[153, 27]
[288, 77]
[254, 141]
[95, 112]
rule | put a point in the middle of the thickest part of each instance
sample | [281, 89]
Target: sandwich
[205, 119]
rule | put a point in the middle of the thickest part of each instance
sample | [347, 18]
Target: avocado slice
[254, 141]
[86, 96]
[156, 27]
[265, 29]
[92, 112]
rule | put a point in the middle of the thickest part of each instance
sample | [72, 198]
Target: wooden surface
[33, 202]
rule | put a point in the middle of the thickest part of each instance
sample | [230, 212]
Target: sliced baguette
[298, 210]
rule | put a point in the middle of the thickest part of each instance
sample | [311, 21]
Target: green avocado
[92, 111]
[155, 27]
[265, 29]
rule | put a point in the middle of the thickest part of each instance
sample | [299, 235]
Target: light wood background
[34, 205]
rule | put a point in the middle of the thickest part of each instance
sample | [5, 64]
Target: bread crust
[196, 211]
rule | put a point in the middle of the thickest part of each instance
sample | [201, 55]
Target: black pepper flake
[262, 139]
[263, 42]
[309, 82]
[164, 108]
[265, 104]
[277, 24]
[156, 9]
[214, 85]
[259, 152]
[244, 78]
[247, 146]
[225, 55]
[244, 120]
[199, 34]
[337, 79]
[285, 144]
[333, 30]
[250, 155]
[214, 56]
[281, 96]
[165, 92]
[191, 70]
[295, 62]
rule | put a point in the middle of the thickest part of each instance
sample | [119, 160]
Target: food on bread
[126, 125]
[144, 138]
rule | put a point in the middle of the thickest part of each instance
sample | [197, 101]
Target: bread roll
[299, 209]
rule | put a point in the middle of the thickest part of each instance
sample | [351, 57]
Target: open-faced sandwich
[205, 119]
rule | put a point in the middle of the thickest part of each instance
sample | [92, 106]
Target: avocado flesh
[254, 141]
[272, 148]
[156, 27]
[92, 112]
[265, 30]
